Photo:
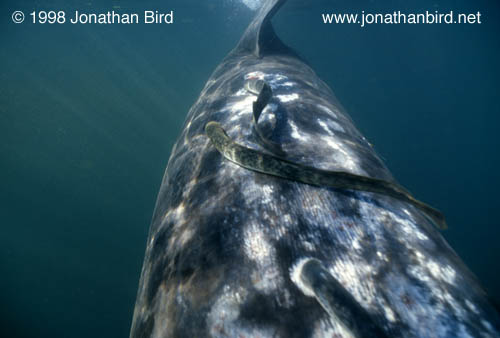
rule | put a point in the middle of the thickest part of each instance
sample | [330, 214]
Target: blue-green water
[89, 113]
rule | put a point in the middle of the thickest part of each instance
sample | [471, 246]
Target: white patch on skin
[267, 280]
[272, 107]
[191, 184]
[408, 226]
[487, 325]
[420, 235]
[445, 273]
[389, 314]
[325, 127]
[331, 142]
[267, 194]
[433, 274]
[281, 229]
[259, 75]
[176, 214]
[355, 244]
[342, 154]
[235, 117]
[336, 126]
[471, 306]
[242, 106]
[223, 317]
[382, 256]
[241, 92]
[357, 278]
[330, 328]
[266, 276]
[296, 134]
[274, 80]
[422, 314]
[241, 109]
[268, 114]
[326, 110]
[418, 310]
[260, 194]
[458, 309]
[308, 246]
[416, 306]
[279, 77]
[256, 245]
[314, 211]
[288, 97]
[433, 268]
[161, 322]
[185, 236]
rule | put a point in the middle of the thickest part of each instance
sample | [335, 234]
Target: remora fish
[276, 218]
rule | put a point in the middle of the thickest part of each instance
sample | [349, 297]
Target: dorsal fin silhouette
[260, 38]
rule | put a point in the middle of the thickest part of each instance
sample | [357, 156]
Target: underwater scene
[287, 209]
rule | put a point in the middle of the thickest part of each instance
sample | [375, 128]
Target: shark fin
[260, 38]
[264, 94]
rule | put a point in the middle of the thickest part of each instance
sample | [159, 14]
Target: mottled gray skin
[226, 244]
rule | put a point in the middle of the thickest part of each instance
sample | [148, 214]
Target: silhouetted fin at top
[276, 166]
[260, 38]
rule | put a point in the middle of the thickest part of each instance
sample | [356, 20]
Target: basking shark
[276, 218]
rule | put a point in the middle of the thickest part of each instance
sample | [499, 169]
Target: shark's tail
[260, 38]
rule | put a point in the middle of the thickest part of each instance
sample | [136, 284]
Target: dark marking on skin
[407, 300]
[189, 323]
[348, 206]
[160, 264]
[207, 249]
[158, 273]
[368, 248]
[206, 177]
[160, 241]
[145, 328]
[324, 238]
[266, 311]
[175, 194]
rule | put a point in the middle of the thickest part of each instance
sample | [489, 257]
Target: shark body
[237, 253]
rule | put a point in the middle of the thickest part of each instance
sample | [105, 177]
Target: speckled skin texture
[225, 242]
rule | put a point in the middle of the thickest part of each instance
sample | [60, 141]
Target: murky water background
[88, 115]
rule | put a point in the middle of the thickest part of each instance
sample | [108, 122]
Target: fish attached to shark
[276, 218]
